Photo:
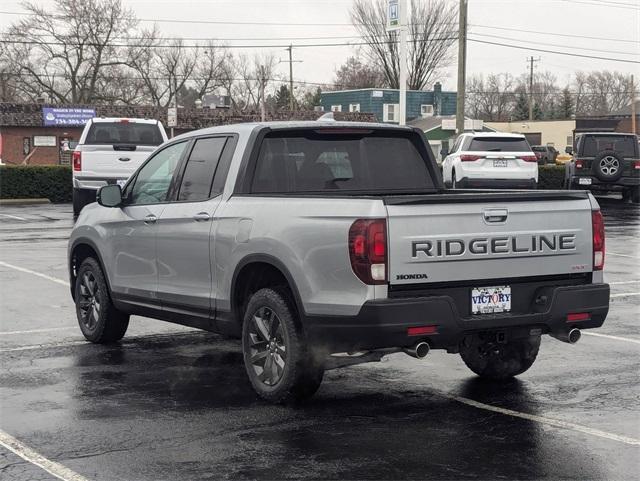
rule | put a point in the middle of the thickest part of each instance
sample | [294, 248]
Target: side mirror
[568, 150]
[109, 196]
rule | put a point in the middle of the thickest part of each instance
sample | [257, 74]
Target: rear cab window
[624, 145]
[499, 144]
[341, 161]
[123, 132]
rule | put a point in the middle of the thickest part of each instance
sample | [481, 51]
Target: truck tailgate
[458, 237]
[106, 161]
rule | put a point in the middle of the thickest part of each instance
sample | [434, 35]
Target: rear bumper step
[385, 323]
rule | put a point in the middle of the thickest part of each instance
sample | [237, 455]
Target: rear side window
[200, 169]
[366, 161]
[595, 144]
[132, 133]
[499, 144]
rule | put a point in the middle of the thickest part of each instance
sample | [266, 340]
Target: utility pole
[462, 65]
[531, 60]
[633, 106]
[291, 62]
[402, 52]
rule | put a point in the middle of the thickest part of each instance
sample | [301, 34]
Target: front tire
[281, 365]
[100, 322]
[493, 360]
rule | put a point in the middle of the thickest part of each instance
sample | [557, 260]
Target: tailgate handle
[495, 215]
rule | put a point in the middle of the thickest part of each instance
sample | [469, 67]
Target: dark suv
[605, 162]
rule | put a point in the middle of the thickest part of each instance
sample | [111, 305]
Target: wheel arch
[80, 250]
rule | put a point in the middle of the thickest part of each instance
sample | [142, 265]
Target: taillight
[597, 225]
[636, 165]
[469, 158]
[529, 158]
[579, 164]
[368, 250]
[77, 160]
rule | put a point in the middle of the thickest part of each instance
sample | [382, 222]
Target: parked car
[562, 158]
[491, 159]
[308, 239]
[606, 162]
[546, 154]
[108, 152]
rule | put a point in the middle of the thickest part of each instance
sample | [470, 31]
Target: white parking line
[13, 216]
[33, 331]
[617, 338]
[621, 255]
[28, 454]
[29, 271]
[620, 283]
[624, 294]
[548, 421]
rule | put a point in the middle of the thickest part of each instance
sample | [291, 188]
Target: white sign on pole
[393, 15]
[172, 117]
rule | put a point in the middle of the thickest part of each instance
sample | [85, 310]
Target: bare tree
[492, 98]
[356, 74]
[62, 54]
[601, 92]
[432, 34]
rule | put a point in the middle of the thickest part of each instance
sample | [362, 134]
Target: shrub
[53, 182]
[550, 176]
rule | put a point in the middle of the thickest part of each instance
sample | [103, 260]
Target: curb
[24, 201]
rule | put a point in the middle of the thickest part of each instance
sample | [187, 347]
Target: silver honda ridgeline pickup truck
[323, 244]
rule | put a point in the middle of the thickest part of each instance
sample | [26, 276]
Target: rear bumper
[596, 184]
[467, 182]
[94, 183]
[384, 323]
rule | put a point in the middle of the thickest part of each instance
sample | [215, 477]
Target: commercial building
[384, 104]
[557, 133]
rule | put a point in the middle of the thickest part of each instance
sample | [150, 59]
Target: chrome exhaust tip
[571, 336]
[419, 350]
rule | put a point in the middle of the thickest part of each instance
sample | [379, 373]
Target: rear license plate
[584, 181]
[121, 182]
[489, 300]
[499, 163]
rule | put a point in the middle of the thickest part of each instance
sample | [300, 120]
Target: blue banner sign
[63, 116]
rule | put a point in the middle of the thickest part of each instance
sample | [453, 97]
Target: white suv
[109, 151]
[490, 159]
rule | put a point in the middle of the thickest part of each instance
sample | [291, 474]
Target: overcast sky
[614, 19]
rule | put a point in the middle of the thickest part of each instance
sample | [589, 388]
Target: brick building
[23, 132]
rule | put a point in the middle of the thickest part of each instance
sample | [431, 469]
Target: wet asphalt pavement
[173, 403]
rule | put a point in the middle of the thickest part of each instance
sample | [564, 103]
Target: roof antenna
[328, 117]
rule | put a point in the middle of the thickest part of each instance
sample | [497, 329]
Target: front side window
[152, 181]
[200, 169]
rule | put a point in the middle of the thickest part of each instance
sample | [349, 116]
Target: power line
[569, 54]
[604, 3]
[557, 34]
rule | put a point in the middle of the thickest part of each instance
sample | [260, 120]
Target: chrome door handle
[201, 217]
[495, 215]
[150, 219]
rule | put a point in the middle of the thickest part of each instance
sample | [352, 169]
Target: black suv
[605, 162]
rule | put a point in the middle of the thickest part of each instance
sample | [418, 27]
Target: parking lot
[174, 403]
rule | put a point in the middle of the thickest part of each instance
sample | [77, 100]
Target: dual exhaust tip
[418, 350]
[571, 336]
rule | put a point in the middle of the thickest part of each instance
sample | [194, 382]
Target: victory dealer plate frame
[491, 300]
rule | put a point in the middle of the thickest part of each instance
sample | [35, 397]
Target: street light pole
[462, 65]
[402, 52]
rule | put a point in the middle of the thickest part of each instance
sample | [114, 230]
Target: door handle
[124, 159]
[201, 217]
[150, 219]
[495, 215]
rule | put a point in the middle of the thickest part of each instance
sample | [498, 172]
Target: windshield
[595, 144]
[124, 133]
[364, 161]
[499, 144]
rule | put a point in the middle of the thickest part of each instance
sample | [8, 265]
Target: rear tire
[282, 366]
[494, 360]
[100, 322]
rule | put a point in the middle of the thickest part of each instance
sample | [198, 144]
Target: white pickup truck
[109, 151]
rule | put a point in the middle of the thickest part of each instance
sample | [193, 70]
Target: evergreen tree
[282, 98]
[521, 108]
[566, 105]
